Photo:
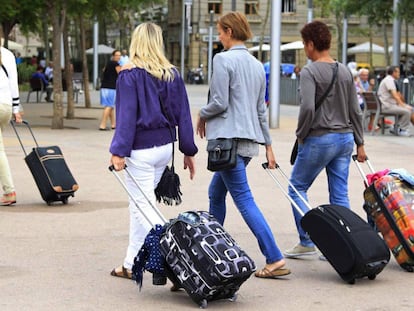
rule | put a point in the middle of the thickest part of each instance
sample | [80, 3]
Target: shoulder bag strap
[164, 112]
[335, 73]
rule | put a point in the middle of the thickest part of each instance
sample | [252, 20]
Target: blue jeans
[330, 151]
[235, 181]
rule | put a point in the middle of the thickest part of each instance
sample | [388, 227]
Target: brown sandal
[124, 273]
[267, 274]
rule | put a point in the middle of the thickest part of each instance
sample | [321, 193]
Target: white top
[9, 88]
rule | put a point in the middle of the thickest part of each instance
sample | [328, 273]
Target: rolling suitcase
[389, 201]
[200, 256]
[49, 170]
[350, 245]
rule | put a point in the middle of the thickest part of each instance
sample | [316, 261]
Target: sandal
[123, 273]
[273, 274]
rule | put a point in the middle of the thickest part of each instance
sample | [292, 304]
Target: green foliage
[24, 72]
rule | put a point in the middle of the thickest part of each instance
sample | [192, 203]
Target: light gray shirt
[339, 112]
[236, 106]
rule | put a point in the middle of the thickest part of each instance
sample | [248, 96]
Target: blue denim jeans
[235, 182]
[331, 152]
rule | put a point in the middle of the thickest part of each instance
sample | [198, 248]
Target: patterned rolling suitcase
[205, 259]
[200, 256]
[350, 245]
[389, 201]
[50, 171]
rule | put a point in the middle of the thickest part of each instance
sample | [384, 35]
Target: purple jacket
[141, 123]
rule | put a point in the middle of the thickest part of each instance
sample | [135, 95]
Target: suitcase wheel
[407, 267]
[203, 304]
[351, 281]
[372, 276]
[65, 200]
[234, 297]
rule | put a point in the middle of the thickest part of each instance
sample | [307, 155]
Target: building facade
[293, 16]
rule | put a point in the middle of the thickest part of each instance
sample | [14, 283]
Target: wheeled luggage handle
[361, 171]
[13, 124]
[282, 188]
[164, 220]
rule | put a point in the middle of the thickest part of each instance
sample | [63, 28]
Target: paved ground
[59, 257]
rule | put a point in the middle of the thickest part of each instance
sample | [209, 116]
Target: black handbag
[294, 152]
[168, 188]
[222, 154]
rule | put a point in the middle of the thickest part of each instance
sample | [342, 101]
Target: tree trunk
[70, 112]
[264, 24]
[386, 45]
[54, 13]
[85, 73]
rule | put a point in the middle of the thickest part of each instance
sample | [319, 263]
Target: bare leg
[105, 115]
[112, 118]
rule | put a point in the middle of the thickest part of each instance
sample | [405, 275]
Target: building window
[215, 6]
[251, 7]
[288, 6]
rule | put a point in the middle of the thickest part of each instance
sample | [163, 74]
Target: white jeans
[147, 166]
[5, 174]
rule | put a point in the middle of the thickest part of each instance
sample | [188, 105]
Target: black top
[109, 75]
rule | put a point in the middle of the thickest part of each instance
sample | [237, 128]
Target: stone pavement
[59, 257]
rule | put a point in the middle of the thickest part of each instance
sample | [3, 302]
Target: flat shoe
[124, 273]
[103, 129]
[267, 274]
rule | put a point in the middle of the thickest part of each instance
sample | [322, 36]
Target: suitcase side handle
[157, 211]
[284, 191]
[13, 124]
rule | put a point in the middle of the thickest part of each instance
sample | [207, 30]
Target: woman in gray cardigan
[236, 109]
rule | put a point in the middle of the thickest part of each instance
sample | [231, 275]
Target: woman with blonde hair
[143, 137]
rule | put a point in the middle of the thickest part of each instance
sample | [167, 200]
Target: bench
[373, 107]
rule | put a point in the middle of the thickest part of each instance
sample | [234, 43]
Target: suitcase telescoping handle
[285, 191]
[13, 124]
[157, 211]
[361, 171]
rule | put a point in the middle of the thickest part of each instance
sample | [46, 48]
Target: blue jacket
[141, 123]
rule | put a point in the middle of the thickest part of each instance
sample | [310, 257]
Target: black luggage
[49, 170]
[350, 245]
[200, 256]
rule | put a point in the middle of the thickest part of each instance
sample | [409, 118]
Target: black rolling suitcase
[49, 170]
[200, 256]
[350, 245]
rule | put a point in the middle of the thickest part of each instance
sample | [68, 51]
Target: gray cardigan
[236, 106]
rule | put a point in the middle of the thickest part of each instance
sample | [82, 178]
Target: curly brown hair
[317, 32]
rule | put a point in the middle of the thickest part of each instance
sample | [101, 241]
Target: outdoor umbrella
[102, 49]
[265, 47]
[364, 48]
[402, 49]
[296, 45]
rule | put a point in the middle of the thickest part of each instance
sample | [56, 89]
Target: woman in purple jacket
[143, 140]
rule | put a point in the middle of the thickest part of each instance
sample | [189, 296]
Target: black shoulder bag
[294, 153]
[168, 188]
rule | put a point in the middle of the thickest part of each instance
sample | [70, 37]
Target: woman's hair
[318, 33]
[115, 51]
[238, 23]
[147, 51]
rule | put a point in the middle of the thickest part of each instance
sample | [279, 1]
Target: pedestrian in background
[236, 109]
[145, 131]
[108, 90]
[9, 106]
[326, 136]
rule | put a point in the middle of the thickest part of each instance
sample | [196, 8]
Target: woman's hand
[361, 155]
[270, 157]
[189, 163]
[118, 162]
[18, 117]
[201, 126]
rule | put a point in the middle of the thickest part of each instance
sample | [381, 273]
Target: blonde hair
[147, 51]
